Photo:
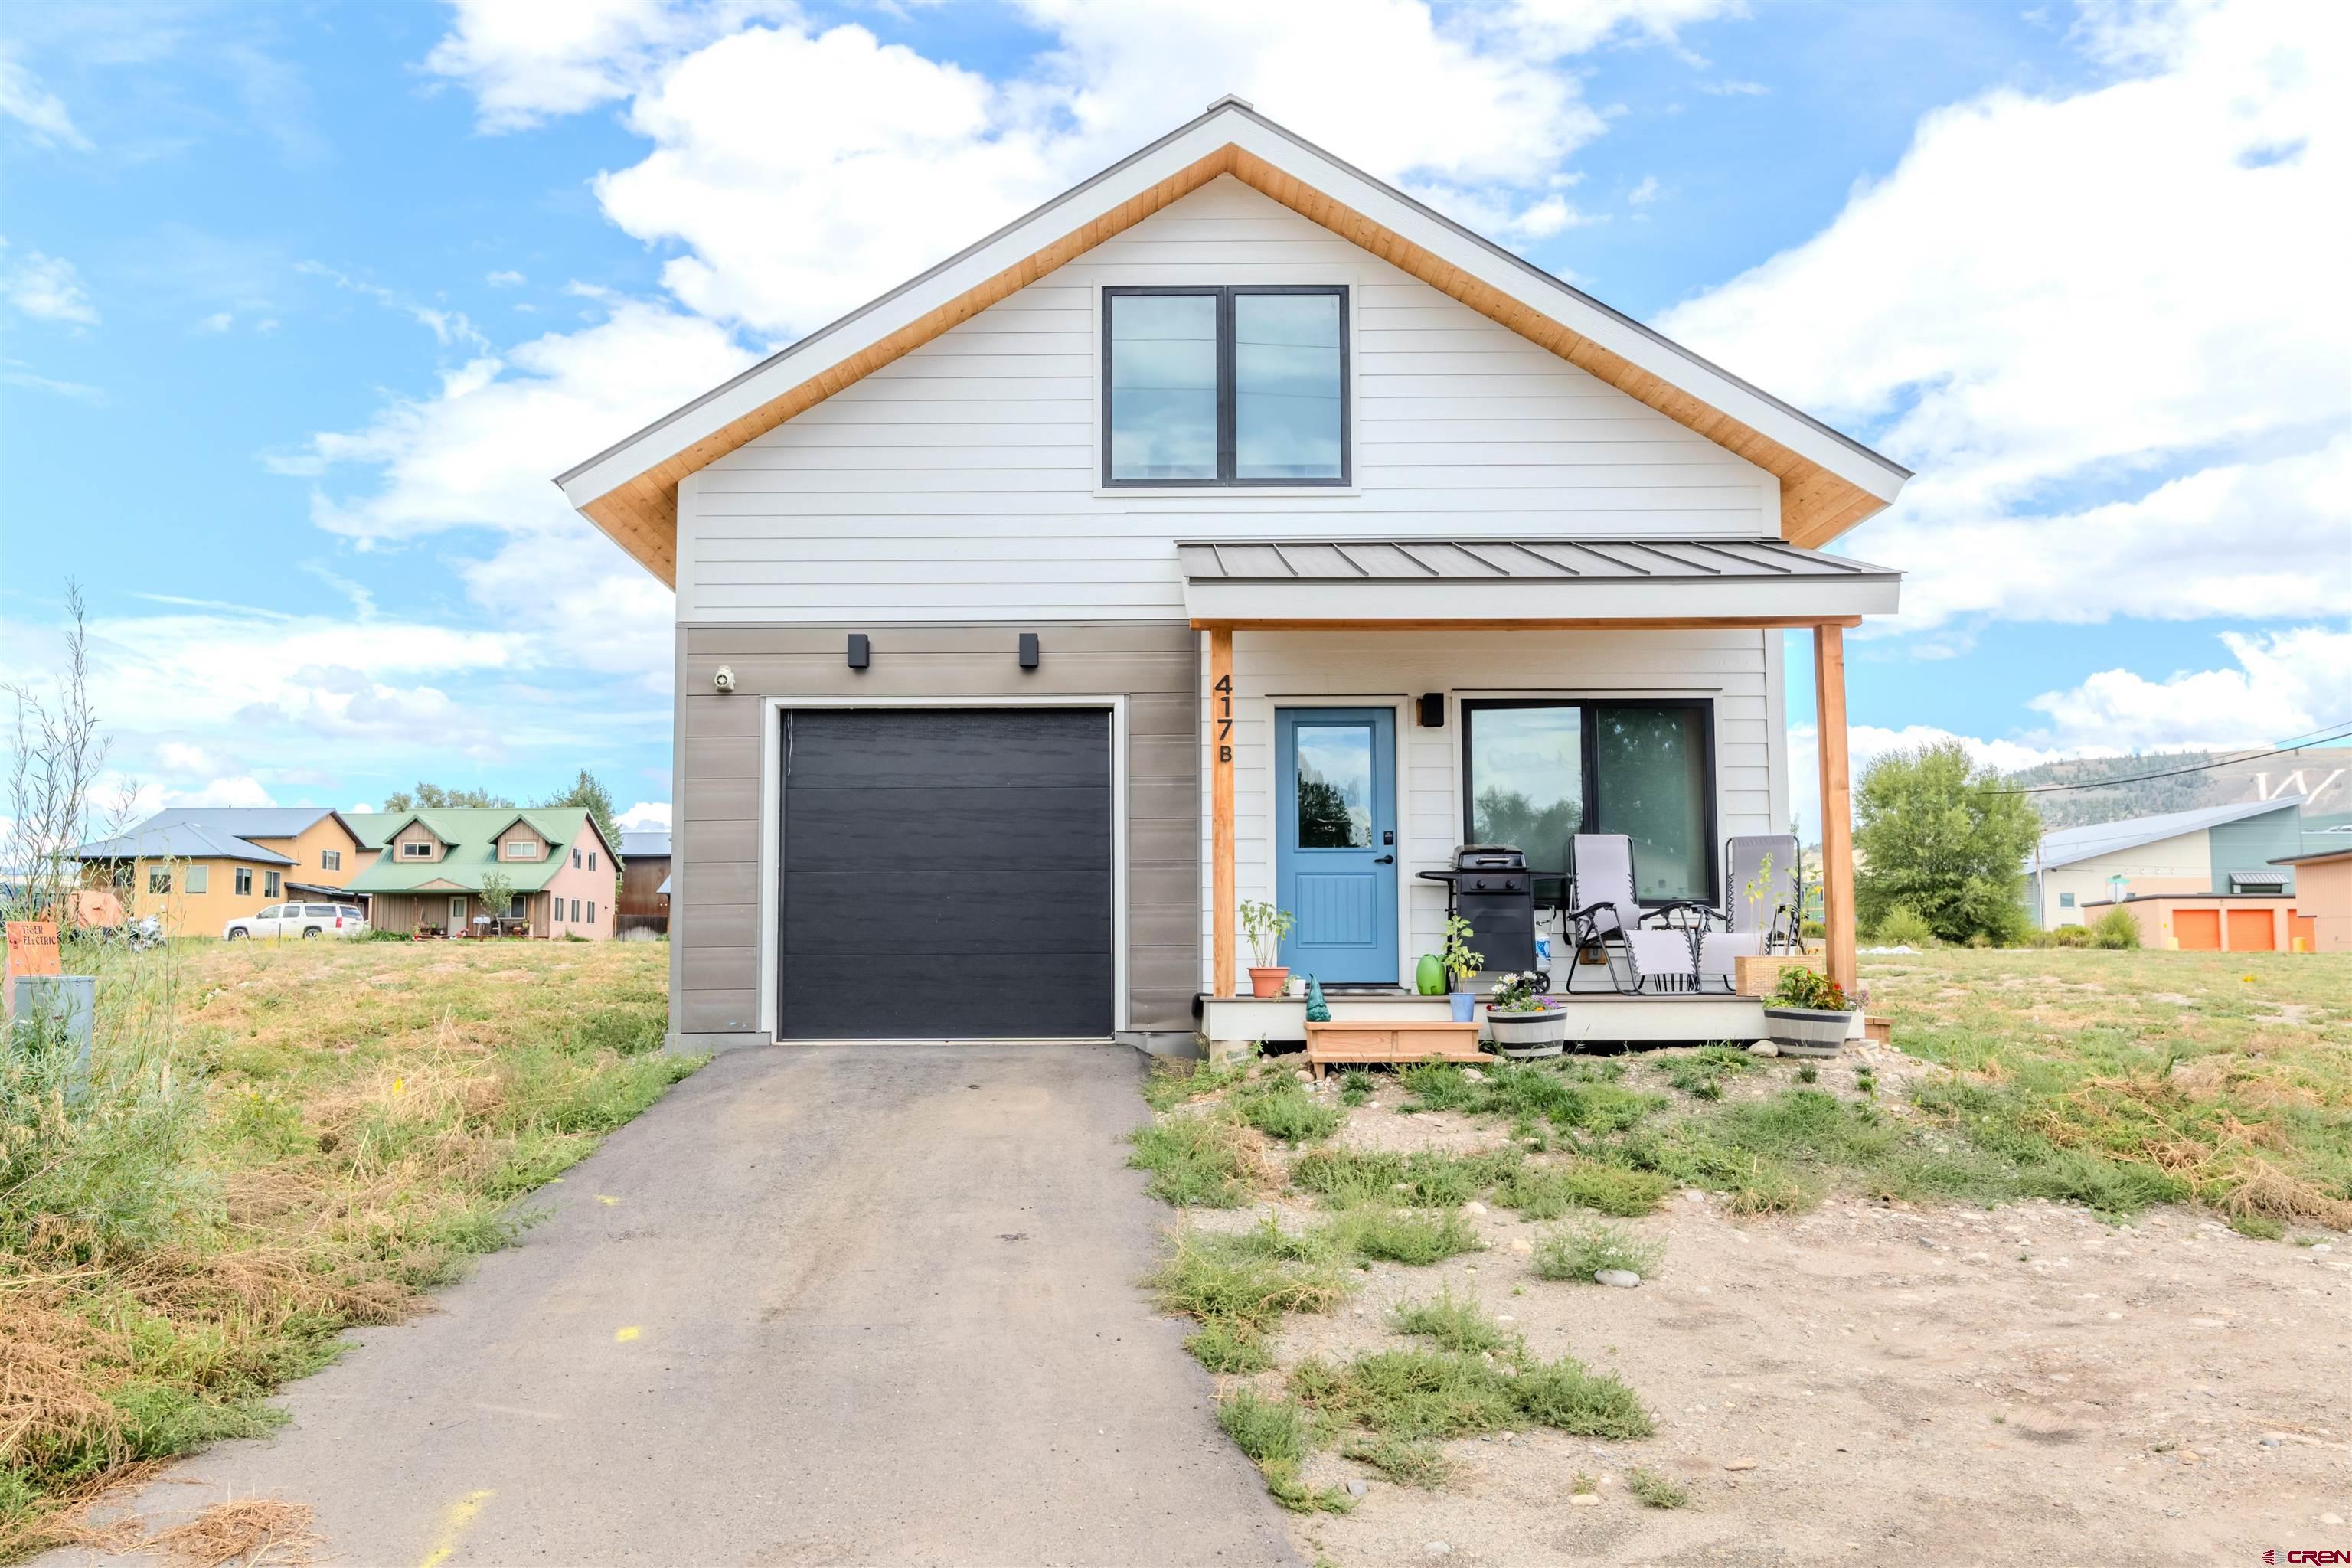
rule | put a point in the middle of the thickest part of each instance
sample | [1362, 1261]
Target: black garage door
[947, 874]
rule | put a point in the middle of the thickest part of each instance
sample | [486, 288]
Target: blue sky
[302, 305]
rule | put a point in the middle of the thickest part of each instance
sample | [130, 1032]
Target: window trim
[1588, 710]
[272, 885]
[196, 878]
[330, 860]
[243, 881]
[1228, 437]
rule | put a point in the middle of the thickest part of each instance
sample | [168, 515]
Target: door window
[1335, 786]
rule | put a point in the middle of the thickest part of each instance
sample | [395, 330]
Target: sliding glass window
[1537, 772]
[1225, 385]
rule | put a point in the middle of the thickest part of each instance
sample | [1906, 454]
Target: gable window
[415, 849]
[1536, 773]
[592, 866]
[576, 859]
[269, 886]
[330, 860]
[199, 880]
[243, 881]
[522, 848]
[1225, 385]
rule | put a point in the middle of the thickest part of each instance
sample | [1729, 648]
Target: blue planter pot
[1465, 1006]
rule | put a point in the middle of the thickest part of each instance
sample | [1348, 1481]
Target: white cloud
[16, 372]
[218, 321]
[1573, 27]
[646, 816]
[2130, 292]
[24, 99]
[803, 171]
[505, 277]
[527, 62]
[48, 289]
[1645, 193]
[1731, 89]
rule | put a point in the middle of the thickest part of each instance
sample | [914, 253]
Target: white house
[1015, 607]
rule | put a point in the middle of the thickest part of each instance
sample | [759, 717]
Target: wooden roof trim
[1816, 505]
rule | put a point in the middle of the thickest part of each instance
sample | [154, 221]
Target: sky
[302, 305]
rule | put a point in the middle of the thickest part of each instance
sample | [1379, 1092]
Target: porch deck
[1593, 1017]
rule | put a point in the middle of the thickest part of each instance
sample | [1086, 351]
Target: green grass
[1582, 1251]
[1549, 1191]
[1274, 1435]
[1355, 1088]
[1345, 1178]
[1395, 1236]
[1172, 1083]
[1451, 1323]
[1655, 1490]
[278, 1144]
[1420, 1395]
[1570, 1095]
[1248, 1282]
[1282, 1109]
[1229, 1347]
[1196, 1160]
[1407, 1463]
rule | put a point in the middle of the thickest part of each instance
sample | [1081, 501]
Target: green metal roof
[470, 834]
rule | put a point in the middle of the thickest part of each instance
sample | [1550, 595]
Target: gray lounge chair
[1604, 914]
[1759, 913]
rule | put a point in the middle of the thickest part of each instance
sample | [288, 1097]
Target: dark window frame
[1228, 435]
[1588, 710]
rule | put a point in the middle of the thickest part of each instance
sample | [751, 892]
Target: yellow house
[202, 867]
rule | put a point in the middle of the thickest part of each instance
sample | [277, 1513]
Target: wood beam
[1221, 807]
[1837, 803]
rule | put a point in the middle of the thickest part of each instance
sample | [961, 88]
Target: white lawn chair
[1759, 913]
[1604, 913]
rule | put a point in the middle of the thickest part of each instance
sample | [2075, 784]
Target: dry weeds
[250, 1534]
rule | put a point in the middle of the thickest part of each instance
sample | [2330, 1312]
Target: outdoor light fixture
[1028, 650]
[1433, 710]
[861, 650]
[725, 677]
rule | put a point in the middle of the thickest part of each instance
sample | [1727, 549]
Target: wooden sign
[32, 948]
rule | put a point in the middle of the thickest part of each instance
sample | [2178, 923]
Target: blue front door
[1335, 857]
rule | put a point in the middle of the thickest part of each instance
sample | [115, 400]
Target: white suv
[307, 920]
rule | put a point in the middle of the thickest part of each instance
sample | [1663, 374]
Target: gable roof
[1829, 481]
[227, 832]
[470, 835]
[2068, 844]
[644, 844]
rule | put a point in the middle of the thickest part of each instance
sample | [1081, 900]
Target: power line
[2341, 731]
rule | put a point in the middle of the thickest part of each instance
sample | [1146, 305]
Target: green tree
[589, 790]
[431, 796]
[1932, 835]
[497, 894]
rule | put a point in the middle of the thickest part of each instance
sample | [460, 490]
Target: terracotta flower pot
[1269, 982]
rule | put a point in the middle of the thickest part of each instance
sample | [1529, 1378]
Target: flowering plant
[1806, 988]
[1518, 994]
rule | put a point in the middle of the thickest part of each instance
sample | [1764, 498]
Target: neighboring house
[644, 880]
[1019, 610]
[2321, 915]
[202, 867]
[2214, 851]
[427, 874]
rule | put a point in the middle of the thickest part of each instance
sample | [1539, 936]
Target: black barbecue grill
[1491, 887]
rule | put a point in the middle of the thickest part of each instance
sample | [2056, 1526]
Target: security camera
[724, 679]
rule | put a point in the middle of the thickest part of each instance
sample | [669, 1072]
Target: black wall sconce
[861, 650]
[1028, 650]
[1433, 710]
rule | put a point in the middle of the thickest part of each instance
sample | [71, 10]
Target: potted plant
[1808, 1014]
[1263, 927]
[1523, 1021]
[1460, 964]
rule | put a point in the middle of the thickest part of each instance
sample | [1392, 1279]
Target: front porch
[1513, 694]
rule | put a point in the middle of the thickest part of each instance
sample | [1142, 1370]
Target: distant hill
[2323, 772]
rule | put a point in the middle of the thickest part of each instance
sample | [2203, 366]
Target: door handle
[1383, 860]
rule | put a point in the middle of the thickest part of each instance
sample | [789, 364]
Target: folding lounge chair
[1606, 913]
[1760, 908]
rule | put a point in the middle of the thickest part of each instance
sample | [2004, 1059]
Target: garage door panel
[963, 749]
[835, 828]
[947, 874]
[2253, 930]
[1055, 910]
[2198, 930]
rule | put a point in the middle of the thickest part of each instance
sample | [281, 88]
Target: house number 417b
[1224, 690]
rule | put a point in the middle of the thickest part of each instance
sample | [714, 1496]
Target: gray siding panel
[718, 899]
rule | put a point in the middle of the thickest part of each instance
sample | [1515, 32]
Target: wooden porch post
[1221, 807]
[1837, 803]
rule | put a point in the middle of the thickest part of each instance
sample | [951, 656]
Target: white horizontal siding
[1271, 670]
[960, 482]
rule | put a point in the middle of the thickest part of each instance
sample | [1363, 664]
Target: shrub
[1452, 1324]
[1281, 1108]
[1565, 1395]
[1582, 1251]
[1904, 926]
[1394, 1236]
[1655, 1490]
[1548, 1191]
[2117, 930]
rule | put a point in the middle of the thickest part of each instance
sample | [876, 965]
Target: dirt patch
[1899, 1377]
